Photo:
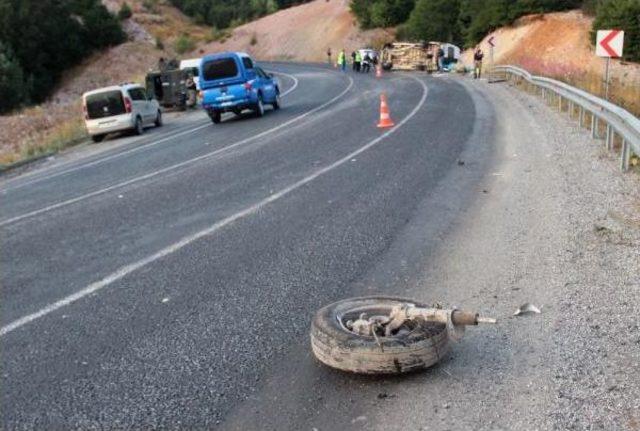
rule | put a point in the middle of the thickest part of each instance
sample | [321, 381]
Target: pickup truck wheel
[97, 138]
[415, 347]
[277, 102]
[138, 127]
[259, 107]
[216, 117]
[159, 119]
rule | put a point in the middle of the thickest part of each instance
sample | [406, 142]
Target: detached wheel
[158, 121]
[138, 128]
[412, 348]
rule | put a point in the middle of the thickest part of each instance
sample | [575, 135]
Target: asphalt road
[169, 281]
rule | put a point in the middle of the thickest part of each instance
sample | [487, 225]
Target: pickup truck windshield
[105, 104]
[219, 69]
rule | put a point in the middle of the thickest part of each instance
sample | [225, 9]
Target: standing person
[477, 63]
[329, 56]
[366, 63]
[353, 60]
[358, 61]
[342, 60]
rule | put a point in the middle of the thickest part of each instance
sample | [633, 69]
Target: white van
[192, 65]
[119, 108]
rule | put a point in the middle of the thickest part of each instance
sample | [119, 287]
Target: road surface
[169, 281]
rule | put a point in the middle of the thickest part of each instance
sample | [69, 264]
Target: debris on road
[382, 335]
[527, 308]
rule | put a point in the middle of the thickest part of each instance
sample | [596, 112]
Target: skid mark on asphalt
[177, 165]
[134, 149]
[128, 269]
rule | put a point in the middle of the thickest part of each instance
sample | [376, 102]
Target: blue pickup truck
[232, 82]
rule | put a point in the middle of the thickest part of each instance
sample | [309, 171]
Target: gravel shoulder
[557, 225]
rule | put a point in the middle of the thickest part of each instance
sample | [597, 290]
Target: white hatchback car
[119, 108]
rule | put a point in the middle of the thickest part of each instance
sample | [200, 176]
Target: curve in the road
[128, 269]
[176, 165]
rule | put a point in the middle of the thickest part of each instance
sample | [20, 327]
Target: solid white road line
[131, 150]
[174, 166]
[128, 269]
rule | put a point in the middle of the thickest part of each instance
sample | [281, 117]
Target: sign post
[609, 44]
[492, 44]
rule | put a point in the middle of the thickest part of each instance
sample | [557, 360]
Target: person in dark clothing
[440, 59]
[477, 63]
[366, 63]
[353, 60]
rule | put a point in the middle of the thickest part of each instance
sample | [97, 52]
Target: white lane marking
[128, 269]
[131, 150]
[175, 166]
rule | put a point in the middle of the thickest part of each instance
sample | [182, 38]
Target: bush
[184, 44]
[254, 40]
[159, 43]
[622, 15]
[124, 12]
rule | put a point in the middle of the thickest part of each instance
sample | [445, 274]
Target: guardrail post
[609, 137]
[581, 117]
[594, 125]
[625, 155]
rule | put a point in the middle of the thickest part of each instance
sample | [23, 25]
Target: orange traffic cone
[385, 117]
[378, 72]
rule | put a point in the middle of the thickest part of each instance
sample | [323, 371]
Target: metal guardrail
[619, 122]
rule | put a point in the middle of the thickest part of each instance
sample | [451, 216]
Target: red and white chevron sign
[609, 43]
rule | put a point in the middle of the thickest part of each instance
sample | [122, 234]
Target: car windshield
[219, 69]
[105, 104]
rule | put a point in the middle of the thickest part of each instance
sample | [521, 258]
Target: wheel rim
[260, 107]
[374, 312]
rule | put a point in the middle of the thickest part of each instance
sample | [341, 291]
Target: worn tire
[97, 138]
[336, 346]
[158, 121]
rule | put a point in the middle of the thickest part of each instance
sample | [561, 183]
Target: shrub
[124, 12]
[254, 40]
[184, 44]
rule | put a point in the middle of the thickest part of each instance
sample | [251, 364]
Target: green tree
[434, 20]
[13, 89]
[621, 15]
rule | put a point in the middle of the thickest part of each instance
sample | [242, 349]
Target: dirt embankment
[301, 33]
[557, 45]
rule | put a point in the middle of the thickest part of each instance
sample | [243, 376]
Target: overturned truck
[410, 56]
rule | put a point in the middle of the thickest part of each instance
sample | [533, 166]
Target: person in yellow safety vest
[342, 60]
[357, 61]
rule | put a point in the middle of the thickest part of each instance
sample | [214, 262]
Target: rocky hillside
[301, 33]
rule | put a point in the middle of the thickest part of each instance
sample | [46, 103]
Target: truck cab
[232, 82]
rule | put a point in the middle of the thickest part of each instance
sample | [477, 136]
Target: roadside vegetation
[223, 14]
[41, 39]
